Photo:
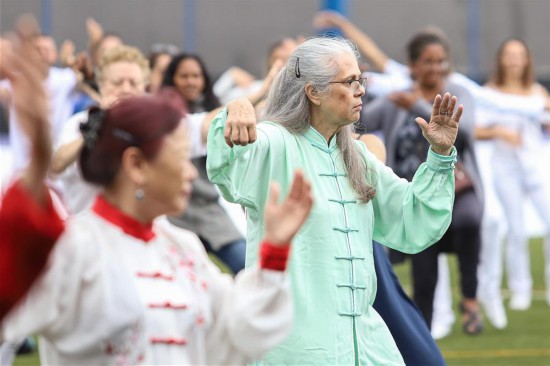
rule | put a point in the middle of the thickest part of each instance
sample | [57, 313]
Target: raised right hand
[282, 221]
[23, 66]
[94, 30]
[329, 19]
[240, 127]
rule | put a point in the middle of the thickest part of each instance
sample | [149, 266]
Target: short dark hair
[420, 41]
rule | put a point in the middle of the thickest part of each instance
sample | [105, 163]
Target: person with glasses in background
[395, 116]
[309, 118]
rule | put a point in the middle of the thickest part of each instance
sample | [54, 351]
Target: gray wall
[238, 32]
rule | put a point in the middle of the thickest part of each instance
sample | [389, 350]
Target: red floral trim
[171, 340]
[168, 305]
[155, 275]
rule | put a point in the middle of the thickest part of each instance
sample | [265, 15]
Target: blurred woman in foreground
[127, 287]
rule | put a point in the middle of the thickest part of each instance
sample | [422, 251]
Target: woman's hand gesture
[442, 130]
[240, 127]
[282, 221]
[24, 68]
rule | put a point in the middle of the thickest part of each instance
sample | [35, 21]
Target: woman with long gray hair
[310, 112]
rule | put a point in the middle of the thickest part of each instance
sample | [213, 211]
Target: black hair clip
[124, 135]
[297, 67]
[90, 129]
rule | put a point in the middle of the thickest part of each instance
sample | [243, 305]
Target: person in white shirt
[122, 72]
[60, 83]
[526, 103]
[517, 174]
[125, 287]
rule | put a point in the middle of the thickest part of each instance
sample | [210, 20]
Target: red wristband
[274, 257]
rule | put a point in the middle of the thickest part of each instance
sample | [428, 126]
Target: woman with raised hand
[126, 287]
[395, 115]
[122, 72]
[29, 224]
[310, 111]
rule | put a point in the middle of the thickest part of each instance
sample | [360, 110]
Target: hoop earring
[140, 195]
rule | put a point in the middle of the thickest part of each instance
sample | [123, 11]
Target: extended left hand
[443, 127]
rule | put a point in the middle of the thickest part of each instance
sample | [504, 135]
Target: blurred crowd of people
[104, 137]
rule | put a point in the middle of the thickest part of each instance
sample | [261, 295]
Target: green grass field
[525, 342]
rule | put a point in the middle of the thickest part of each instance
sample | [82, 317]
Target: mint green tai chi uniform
[331, 264]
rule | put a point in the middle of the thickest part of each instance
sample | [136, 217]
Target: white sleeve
[492, 104]
[393, 67]
[252, 314]
[224, 83]
[5, 84]
[71, 130]
[474, 88]
[49, 307]
[195, 122]
[380, 85]
[71, 78]
[72, 304]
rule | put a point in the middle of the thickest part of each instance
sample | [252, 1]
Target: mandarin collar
[318, 140]
[127, 224]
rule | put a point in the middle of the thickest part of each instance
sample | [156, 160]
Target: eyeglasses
[442, 64]
[354, 84]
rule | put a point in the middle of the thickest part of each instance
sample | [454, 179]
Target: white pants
[493, 229]
[443, 314]
[513, 183]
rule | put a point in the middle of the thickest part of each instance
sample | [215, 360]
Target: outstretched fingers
[423, 124]
[27, 27]
[274, 191]
[296, 189]
[458, 113]
[299, 199]
[436, 105]
[451, 107]
[444, 107]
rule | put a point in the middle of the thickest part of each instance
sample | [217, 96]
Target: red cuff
[274, 257]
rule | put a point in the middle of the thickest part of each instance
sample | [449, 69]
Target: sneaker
[520, 302]
[494, 312]
[441, 330]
